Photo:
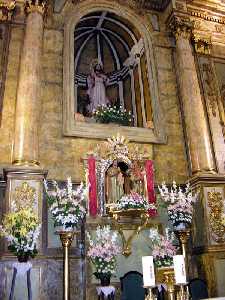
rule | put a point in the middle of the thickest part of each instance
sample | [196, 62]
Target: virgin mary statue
[97, 82]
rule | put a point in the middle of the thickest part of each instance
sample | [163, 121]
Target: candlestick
[183, 236]
[150, 295]
[183, 293]
[66, 238]
[148, 271]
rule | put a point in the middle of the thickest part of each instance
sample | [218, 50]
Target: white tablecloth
[106, 290]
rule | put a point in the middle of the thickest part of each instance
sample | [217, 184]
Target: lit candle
[179, 269]
[148, 271]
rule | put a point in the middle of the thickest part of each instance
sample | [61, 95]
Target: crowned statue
[97, 81]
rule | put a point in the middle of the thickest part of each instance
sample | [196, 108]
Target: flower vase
[23, 257]
[104, 278]
[181, 226]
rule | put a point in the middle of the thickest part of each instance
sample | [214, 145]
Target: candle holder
[166, 275]
[66, 238]
[150, 295]
[183, 236]
[183, 293]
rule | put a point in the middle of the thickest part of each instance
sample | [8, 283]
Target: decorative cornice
[6, 10]
[202, 44]
[211, 18]
[39, 6]
[181, 27]
[158, 5]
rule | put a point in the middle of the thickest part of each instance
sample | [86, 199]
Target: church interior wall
[62, 155]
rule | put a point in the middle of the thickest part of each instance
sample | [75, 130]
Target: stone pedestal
[197, 131]
[25, 185]
[208, 232]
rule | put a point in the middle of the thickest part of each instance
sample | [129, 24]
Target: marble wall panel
[46, 280]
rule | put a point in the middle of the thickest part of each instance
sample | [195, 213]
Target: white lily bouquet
[66, 204]
[179, 203]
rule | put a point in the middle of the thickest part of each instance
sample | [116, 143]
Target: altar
[112, 120]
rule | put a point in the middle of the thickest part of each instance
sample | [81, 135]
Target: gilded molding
[23, 162]
[202, 44]
[39, 6]
[6, 10]
[181, 27]
[215, 204]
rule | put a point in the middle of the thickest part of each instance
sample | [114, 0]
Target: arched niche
[145, 97]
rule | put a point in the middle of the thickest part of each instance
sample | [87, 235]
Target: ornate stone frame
[81, 129]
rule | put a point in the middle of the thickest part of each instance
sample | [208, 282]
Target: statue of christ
[97, 82]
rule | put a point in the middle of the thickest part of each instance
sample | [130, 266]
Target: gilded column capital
[6, 10]
[39, 6]
[181, 27]
[202, 43]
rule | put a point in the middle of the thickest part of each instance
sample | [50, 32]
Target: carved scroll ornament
[215, 204]
[6, 10]
[24, 195]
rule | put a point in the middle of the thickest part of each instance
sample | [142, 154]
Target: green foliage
[114, 114]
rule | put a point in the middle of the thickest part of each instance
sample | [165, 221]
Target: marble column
[25, 151]
[197, 131]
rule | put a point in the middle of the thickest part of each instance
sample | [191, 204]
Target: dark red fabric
[93, 205]
[150, 185]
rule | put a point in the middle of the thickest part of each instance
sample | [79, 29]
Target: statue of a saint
[114, 183]
[96, 82]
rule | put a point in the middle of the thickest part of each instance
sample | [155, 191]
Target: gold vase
[66, 238]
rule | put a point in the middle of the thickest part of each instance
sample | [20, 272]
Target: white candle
[179, 269]
[148, 271]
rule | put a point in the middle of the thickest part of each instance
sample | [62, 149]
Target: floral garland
[132, 201]
[163, 249]
[103, 249]
[66, 205]
[179, 203]
[21, 229]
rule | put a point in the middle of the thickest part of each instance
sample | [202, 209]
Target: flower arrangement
[21, 229]
[106, 114]
[66, 204]
[103, 249]
[163, 249]
[132, 201]
[179, 203]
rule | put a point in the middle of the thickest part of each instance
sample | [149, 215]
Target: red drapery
[150, 185]
[93, 205]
